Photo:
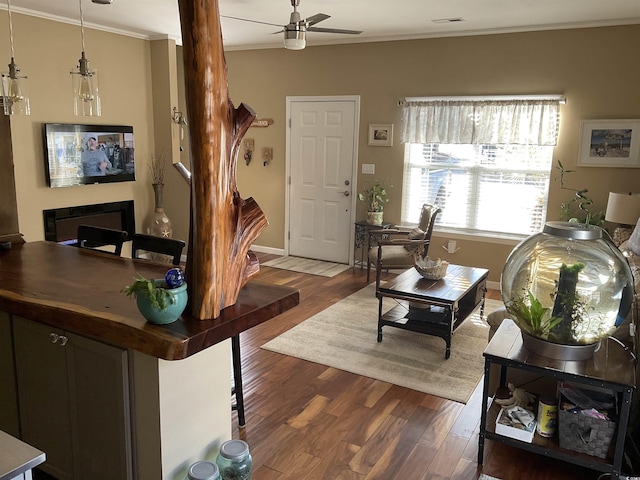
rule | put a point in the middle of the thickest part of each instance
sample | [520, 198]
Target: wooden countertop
[78, 290]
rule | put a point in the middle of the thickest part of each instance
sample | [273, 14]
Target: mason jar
[203, 471]
[234, 460]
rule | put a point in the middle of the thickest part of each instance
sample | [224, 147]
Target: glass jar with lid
[203, 471]
[234, 460]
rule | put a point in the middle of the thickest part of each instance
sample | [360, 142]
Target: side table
[611, 368]
[362, 239]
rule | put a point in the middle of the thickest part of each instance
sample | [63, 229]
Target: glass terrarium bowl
[567, 288]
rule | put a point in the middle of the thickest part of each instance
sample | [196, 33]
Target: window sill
[486, 237]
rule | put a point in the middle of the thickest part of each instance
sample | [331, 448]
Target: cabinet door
[74, 402]
[99, 396]
[43, 394]
[9, 398]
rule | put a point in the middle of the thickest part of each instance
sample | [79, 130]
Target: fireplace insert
[61, 224]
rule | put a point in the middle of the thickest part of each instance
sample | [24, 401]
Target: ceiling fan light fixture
[295, 39]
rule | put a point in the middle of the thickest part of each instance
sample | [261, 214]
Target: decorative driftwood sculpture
[223, 226]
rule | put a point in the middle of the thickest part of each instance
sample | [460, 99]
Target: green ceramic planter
[169, 314]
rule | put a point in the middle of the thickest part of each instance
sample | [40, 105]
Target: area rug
[307, 265]
[344, 336]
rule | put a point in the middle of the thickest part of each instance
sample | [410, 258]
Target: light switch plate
[369, 168]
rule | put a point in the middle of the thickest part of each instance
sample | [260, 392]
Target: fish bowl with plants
[567, 288]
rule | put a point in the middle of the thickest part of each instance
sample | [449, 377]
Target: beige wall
[46, 51]
[591, 67]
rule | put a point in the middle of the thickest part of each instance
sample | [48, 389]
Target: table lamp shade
[623, 208]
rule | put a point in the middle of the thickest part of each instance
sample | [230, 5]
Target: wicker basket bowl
[431, 269]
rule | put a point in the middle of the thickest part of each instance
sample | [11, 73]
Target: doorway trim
[356, 142]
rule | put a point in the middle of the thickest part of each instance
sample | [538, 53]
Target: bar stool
[237, 380]
[92, 237]
[162, 245]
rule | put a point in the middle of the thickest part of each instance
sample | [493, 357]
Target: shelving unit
[612, 368]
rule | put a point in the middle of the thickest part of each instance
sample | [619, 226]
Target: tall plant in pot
[375, 196]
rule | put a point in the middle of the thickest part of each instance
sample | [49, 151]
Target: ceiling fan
[295, 31]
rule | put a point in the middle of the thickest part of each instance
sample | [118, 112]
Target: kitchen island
[169, 385]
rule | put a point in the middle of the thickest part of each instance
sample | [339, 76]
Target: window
[485, 163]
[489, 188]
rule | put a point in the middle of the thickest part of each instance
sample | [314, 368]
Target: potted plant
[160, 301]
[583, 214]
[375, 197]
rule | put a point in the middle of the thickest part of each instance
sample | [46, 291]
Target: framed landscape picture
[380, 135]
[610, 143]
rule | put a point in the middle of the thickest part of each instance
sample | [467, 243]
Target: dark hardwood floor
[306, 421]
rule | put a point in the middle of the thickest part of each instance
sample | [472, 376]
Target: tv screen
[88, 154]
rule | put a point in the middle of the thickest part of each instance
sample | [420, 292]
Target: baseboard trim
[271, 250]
[280, 251]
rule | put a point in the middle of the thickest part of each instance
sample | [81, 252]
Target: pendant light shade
[14, 85]
[86, 97]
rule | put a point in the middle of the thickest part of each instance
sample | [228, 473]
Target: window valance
[488, 122]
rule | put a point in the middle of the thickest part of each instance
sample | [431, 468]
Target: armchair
[394, 248]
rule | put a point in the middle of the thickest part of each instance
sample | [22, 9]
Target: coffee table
[433, 307]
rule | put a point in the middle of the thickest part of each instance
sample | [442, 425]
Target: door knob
[346, 193]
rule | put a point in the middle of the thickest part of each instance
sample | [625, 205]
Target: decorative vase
[374, 218]
[177, 304]
[159, 224]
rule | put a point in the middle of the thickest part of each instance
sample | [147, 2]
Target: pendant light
[14, 85]
[86, 99]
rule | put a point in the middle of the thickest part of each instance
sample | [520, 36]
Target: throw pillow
[415, 234]
[634, 240]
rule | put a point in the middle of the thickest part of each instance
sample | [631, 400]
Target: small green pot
[170, 314]
[374, 218]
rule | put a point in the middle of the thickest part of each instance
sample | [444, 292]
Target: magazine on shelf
[516, 422]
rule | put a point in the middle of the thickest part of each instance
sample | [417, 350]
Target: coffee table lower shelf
[435, 321]
[421, 321]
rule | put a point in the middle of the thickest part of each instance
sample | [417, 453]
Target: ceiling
[380, 20]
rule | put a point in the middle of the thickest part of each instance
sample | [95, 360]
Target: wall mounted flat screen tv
[88, 154]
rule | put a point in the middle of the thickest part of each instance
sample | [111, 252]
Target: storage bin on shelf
[585, 434]
[582, 432]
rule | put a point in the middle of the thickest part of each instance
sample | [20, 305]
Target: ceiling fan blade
[317, 18]
[252, 21]
[333, 30]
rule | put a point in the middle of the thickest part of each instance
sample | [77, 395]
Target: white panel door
[322, 151]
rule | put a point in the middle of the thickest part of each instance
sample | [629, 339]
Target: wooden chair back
[162, 245]
[92, 237]
[392, 248]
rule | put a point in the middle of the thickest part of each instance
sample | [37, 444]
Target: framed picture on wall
[610, 143]
[380, 135]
